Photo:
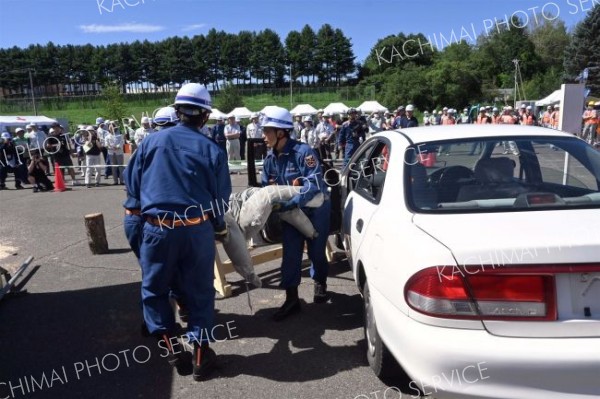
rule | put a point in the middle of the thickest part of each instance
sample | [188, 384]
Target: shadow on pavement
[87, 344]
[82, 343]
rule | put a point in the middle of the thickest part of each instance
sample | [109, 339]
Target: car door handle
[359, 225]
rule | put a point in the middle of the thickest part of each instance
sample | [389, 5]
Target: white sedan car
[477, 251]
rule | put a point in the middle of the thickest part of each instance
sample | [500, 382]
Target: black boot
[290, 306]
[320, 293]
[204, 360]
[170, 344]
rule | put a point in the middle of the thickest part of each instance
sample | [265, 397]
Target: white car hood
[532, 237]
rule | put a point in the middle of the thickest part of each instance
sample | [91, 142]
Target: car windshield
[502, 174]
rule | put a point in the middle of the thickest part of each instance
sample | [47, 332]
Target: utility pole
[32, 93]
[519, 90]
[291, 88]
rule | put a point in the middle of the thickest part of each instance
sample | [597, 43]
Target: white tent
[303, 109]
[215, 114]
[372, 106]
[336, 108]
[22, 121]
[552, 99]
[241, 112]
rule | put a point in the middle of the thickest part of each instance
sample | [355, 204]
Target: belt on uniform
[135, 212]
[177, 223]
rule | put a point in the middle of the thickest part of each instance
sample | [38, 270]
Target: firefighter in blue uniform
[133, 221]
[182, 181]
[352, 134]
[296, 164]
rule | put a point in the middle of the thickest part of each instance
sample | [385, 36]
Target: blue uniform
[179, 175]
[297, 162]
[351, 136]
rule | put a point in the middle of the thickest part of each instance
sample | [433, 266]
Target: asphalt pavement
[76, 332]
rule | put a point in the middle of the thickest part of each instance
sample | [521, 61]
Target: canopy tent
[552, 99]
[303, 109]
[241, 112]
[215, 114]
[336, 108]
[372, 106]
[22, 121]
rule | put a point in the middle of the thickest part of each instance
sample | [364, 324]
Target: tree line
[403, 69]
[324, 57]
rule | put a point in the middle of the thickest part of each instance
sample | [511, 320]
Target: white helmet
[99, 121]
[279, 117]
[166, 115]
[410, 107]
[191, 97]
[307, 118]
[6, 136]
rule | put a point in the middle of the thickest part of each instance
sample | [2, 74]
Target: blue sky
[98, 22]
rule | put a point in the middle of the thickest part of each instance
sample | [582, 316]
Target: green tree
[550, 39]
[293, 53]
[582, 51]
[114, 105]
[343, 57]
[308, 65]
[229, 98]
[323, 54]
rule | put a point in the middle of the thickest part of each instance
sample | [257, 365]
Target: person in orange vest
[546, 118]
[528, 117]
[507, 117]
[483, 117]
[444, 117]
[555, 118]
[495, 116]
[590, 123]
[449, 119]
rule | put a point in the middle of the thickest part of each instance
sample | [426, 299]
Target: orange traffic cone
[59, 182]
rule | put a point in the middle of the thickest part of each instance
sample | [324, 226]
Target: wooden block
[96, 233]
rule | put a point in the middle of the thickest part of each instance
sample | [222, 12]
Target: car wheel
[380, 359]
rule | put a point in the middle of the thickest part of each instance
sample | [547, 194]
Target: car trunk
[564, 244]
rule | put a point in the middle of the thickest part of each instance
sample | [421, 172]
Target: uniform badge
[310, 161]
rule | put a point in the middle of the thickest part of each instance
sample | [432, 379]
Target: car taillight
[467, 293]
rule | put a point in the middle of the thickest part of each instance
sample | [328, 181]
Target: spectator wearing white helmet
[232, 134]
[308, 134]
[36, 138]
[409, 120]
[144, 131]
[181, 180]
[11, 162]
[426, 118]
[496, 117]
[114, 142]
[528, 118]
[464, 117]
[296, 164]
[325, 132]
[254, 133]
[102, 131]
[253, 130]
[93, 150]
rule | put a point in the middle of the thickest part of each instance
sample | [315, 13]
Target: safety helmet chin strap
[285, 134]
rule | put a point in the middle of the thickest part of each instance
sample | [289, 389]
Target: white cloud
[188, 28]
[128, 27]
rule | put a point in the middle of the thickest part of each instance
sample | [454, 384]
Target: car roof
[444, 132]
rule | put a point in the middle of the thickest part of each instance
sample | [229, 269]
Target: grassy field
[87, 112]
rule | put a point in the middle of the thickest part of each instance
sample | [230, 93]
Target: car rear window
[502, 174]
